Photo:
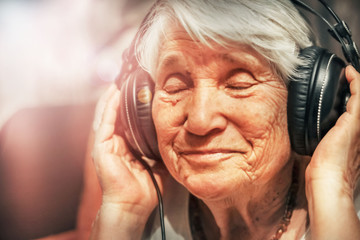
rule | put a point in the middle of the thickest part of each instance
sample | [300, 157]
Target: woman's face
[220, 116]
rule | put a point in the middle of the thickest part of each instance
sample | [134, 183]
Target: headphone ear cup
[298, 91]
[316, 98]
[135, 115]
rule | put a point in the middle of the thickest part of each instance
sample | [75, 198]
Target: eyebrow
[169, 61]
[228, 58]
[173, 59]
[246, 59]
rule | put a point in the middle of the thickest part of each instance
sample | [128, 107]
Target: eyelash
[244, 86]
[175, 90]
[246, 82]
[179, 84]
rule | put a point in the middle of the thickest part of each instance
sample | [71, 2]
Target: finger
[120, 146]
[105, 158]
[107, 125]
[353, 105]
[116, 146]
[101, 104]
[108, 168]
[111, 108]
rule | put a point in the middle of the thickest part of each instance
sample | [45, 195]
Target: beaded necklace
[289, 208]
[197, 230]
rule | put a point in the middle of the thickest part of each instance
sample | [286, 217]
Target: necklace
[289, 208]
[197, 230]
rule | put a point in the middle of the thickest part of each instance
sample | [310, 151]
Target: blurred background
[56, 57]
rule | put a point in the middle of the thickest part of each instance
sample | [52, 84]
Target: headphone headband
[339, 31]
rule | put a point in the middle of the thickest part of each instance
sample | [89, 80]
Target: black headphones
[317, 94]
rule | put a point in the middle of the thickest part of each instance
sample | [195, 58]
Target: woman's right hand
[129, 195]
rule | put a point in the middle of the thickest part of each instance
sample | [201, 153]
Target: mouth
[204, 158]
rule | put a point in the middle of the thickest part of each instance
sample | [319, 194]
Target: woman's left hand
[333, 172]
[337, 157]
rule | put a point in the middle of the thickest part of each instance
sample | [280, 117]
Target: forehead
[178, 46]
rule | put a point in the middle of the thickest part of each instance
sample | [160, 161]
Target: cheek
[274, 109]
[262, 122]
[265, 127]
[261, 115]
[168, 118]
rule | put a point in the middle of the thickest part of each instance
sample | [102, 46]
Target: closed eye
[239, 86]
[175, 83]
[239, 80]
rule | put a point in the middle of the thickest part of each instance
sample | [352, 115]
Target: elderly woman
[221, 71]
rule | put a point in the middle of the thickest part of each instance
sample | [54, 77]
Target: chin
[210, 186]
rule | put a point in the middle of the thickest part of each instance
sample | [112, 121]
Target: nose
[205, 112]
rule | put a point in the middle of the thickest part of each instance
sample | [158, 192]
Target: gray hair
[275, 29]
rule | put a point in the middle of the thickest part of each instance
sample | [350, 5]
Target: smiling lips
[207, 157]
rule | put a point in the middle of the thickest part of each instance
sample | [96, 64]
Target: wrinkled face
[220, 116]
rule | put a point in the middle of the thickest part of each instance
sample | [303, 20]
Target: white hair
[275, 29]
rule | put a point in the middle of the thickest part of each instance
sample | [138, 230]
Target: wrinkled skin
[221, 122]
[220, 116]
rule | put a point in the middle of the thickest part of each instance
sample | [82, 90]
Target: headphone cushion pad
[298, 96]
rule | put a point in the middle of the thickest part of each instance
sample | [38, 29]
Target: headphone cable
[160, 201]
